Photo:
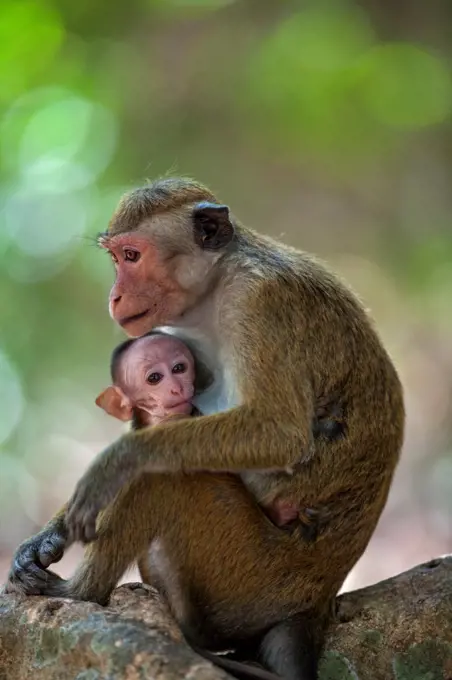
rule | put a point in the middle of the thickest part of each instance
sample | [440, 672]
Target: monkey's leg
[125, 530]
[291, 648]
[144, 569]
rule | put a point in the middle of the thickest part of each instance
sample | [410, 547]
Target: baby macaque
[153, 379]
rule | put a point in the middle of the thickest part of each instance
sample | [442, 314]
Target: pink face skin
[156, 376]
[145, 293]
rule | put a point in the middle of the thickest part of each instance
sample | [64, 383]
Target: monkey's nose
[176, 388]
[114, 302]
[113, 305]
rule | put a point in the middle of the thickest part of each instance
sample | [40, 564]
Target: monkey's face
[156, 375]
[166, 264]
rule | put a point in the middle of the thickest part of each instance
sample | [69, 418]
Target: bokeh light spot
[26, 270]
[195, 4]
[58, 130]
[299, 86]
[323, 38]
[311, 40]
[30, 36]
[43, 224]
[404, 86]
[9, 481]
[11, 398]
[56, 140]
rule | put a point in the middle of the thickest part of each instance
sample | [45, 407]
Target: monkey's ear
[212, 227]
[115, 403]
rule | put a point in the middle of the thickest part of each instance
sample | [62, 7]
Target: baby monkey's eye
[179, 368]
[154, 378]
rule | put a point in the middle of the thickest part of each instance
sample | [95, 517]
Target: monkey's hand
[109, 472]
[28, 574]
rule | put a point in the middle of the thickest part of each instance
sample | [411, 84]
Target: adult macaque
[282, 337]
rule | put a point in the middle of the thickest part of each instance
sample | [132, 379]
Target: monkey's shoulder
[280, 276]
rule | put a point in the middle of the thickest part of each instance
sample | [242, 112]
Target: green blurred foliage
[322, 83]
[31, 35]
[406, 87]
[269, 102]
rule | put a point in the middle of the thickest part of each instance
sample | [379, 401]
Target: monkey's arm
[270, 430]
[239, 439]
[28, 570]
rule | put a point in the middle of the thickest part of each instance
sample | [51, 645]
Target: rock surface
[399, 629]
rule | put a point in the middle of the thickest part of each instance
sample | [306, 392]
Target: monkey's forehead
[150, 350]
[157, 343]
[163, 195]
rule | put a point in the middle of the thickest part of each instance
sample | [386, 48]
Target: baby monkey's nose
[176, 387]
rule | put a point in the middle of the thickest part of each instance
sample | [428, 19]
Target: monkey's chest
[222, 393]
[221, 396]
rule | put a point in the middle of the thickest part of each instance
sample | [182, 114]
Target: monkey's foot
[35, 582]
[29, 574]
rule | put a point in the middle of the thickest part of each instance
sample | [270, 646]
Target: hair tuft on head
[163, 194]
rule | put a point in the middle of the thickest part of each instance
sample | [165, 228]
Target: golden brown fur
[289, 340]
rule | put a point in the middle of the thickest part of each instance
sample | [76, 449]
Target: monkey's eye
[113, 257]
[131, 255]
[154, 378]
[179, 368]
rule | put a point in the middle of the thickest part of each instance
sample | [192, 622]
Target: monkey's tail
[238, 669]
[293, 646]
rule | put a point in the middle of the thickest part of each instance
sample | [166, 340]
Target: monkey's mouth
[181, 405]
[126, 320]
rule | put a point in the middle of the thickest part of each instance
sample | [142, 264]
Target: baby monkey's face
[157, 374]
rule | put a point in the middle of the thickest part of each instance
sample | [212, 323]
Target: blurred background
[325, 124]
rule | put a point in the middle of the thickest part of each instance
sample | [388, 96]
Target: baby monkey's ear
[115, 403]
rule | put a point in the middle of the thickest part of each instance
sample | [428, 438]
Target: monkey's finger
[43, 586]
[14, 585]
[82, 532]
[90, 529]
[51, 580]
[31, 576]
[51, 550]
[24, 588]
[81, 522]
[75, 531]
[26, 561]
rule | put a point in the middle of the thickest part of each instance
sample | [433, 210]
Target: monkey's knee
[133, 505]
[290, 650]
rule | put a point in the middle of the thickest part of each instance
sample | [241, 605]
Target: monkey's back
[329, 354]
